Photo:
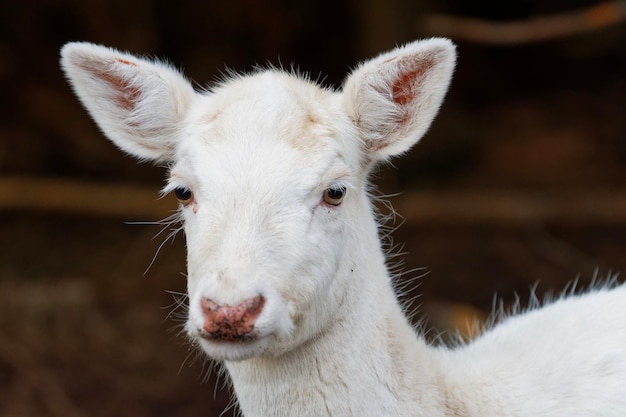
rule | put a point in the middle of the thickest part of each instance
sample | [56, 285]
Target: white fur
[258, 152]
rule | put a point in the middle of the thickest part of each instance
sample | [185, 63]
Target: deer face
[270, 171]
[266, 185]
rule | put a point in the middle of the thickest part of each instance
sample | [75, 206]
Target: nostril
[226, 322]
[209, 306]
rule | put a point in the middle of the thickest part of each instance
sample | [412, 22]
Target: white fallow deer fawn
[287, 282]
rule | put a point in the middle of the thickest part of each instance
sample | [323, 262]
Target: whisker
[178, 308]
[194, 354]
[171, 236]
[167, 222]
[174, 217]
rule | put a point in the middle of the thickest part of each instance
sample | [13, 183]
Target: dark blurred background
[520, 180]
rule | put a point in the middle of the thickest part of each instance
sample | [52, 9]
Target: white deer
[287, 281]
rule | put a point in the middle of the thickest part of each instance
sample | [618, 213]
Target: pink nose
[231, 323]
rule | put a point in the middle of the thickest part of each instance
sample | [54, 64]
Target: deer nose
[230, 323]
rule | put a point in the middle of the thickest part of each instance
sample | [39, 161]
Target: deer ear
[394, 97]
[138, 104]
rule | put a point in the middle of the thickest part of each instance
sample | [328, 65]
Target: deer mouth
[227, 335]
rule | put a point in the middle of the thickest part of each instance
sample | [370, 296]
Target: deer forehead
[270, 124]
[274, 105]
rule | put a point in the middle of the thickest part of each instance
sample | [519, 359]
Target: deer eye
[334, 195]
[184, 195]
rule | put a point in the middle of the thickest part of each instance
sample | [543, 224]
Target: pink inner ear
[126, 94]
[406, 87]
